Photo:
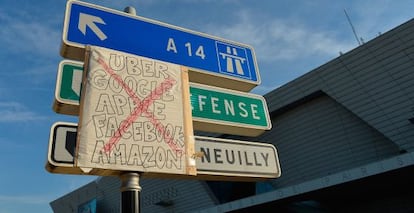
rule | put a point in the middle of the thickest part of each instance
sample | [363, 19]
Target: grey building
[345, 138]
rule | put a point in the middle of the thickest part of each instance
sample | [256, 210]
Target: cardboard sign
[135, 115]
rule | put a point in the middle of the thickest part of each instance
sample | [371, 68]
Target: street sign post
[213, 61]
[213, 109]
[219, 159]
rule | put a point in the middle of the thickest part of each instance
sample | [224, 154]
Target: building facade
[345, 139]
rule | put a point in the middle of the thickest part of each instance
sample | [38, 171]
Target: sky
[290, 38]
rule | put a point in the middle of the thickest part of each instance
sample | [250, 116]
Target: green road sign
[71, 75]
[213, 109]
[68, 87]
[239, 113]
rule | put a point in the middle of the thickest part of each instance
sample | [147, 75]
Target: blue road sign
[95, 25]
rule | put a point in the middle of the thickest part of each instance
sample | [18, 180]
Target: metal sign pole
[130, 190]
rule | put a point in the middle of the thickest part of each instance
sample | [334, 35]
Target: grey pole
[130, 187]
[130, 10]
[130, 190]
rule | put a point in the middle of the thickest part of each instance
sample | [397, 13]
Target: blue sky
[290, 38]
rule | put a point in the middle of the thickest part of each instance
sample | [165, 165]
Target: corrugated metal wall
[175, 195]
[108, 194]
[69, 203]
[157, 195]
[374, 82]
[321, 137]
[364, 100]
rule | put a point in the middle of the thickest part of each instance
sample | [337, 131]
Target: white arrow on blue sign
[214, 61]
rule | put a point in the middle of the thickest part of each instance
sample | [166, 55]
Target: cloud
[282, 39]
[16, 112]
[42, 73]
[24, 199]
[26, 35]
[372, 18]
[9, 146]
[185, 1]
[77, 182]
[263, 89]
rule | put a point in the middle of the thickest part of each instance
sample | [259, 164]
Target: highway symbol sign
[212, 60]
[213, 109]
[218, 159]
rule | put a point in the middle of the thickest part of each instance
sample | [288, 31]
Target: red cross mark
[140, 109]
